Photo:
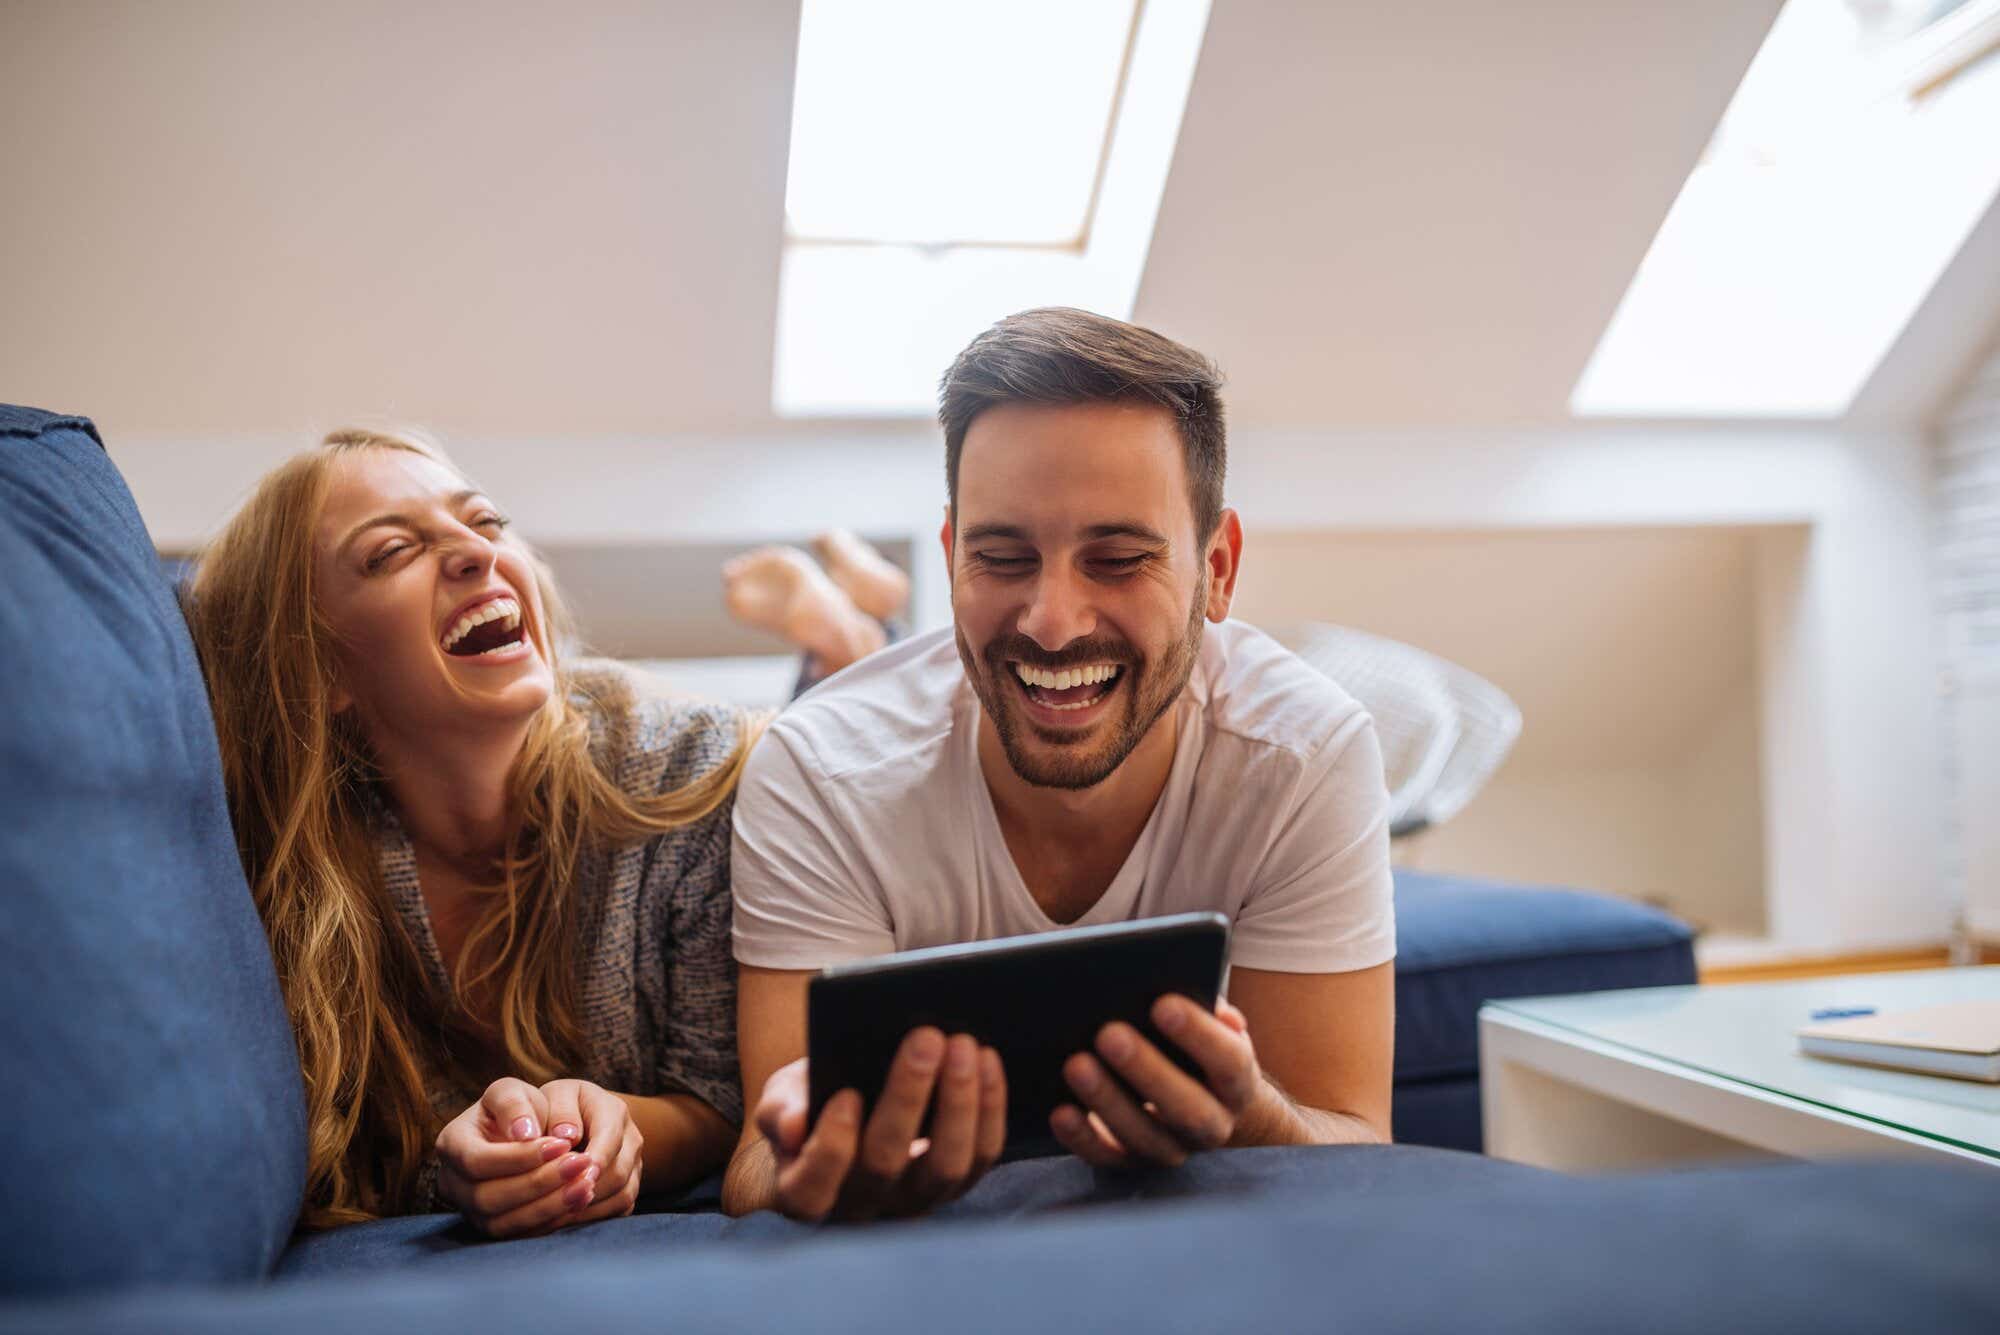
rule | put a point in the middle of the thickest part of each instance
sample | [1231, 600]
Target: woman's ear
[340, 700]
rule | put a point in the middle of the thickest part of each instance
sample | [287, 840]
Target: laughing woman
[496, 882]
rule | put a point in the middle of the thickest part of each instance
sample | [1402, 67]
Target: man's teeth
[479, 616]
[1068, 678]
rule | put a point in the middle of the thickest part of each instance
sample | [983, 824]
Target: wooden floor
[1826, 966]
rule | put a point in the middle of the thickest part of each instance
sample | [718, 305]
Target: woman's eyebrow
[453, 501]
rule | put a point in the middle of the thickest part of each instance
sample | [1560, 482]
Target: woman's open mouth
[1068, 696]
[490, 630]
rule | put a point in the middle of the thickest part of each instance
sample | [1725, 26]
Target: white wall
[1968, 589]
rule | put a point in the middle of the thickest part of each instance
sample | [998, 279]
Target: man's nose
[1058, 612]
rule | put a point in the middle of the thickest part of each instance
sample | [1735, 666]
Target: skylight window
[953, 123]
[1848, 170]
[953, 161]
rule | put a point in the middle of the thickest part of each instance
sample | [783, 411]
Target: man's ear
[944, 540]
[1224, 558]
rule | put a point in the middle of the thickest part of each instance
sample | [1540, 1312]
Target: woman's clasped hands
[526, 1160]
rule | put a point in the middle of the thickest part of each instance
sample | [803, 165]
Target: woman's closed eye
[381, 557]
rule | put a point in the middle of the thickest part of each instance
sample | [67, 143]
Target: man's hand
[845, 1169]
[509, 1179]
[1174, 1113]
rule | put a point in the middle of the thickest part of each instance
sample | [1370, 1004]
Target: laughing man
[1094, 742]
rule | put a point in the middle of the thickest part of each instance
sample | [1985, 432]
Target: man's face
[1078, 585]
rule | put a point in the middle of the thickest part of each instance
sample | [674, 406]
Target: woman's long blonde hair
[299, 779]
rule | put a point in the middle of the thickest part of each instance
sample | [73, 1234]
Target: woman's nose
[470, 555]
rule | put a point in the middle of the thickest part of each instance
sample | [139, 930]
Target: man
[1094, 742]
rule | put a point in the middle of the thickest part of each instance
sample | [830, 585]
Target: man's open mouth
[490, 628]
[1068, 688]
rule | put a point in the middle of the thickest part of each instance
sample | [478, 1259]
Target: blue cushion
[1461, 942]
[152, 1079]
[442, 1243]
[1847, 1247]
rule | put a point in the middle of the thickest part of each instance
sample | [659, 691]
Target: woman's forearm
[686, 1140]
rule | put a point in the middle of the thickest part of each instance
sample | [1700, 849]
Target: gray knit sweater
[657, 983]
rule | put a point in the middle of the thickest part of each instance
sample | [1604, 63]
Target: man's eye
[493, 521]
[1120, 564]
[1003, 562]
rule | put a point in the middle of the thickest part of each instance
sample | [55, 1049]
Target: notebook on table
[1959, 1039]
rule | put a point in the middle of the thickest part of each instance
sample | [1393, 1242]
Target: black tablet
[1034, 999]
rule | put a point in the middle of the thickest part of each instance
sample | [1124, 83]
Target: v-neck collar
[1121, 897]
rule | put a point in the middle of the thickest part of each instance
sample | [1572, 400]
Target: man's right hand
[842, 1168]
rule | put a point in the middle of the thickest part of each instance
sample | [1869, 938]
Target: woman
[481, 867]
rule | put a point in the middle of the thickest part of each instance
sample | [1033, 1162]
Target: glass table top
[1747, 1032]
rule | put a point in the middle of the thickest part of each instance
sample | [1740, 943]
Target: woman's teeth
[500, 609]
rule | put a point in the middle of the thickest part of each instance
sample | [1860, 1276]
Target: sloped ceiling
[1400, 213]
[514, 219]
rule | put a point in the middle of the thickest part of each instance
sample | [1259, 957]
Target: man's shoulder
[890, 709]
[1260, 695]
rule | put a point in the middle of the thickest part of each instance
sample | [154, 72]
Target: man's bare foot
[876, 586]
[779, 589]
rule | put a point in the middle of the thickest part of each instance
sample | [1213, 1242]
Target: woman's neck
[451, 793]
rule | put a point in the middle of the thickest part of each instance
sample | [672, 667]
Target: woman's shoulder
[647, 735]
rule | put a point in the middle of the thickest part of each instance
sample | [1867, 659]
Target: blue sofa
[160, 1138]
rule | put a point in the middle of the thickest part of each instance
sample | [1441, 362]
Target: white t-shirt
[863, 823]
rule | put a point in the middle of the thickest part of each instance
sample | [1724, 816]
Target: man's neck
[1069, 843]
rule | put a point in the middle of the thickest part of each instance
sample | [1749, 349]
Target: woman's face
[433, 604]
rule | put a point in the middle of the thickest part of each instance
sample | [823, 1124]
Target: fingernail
[1171, 1017]
[579, 1193]
[1115, 1042]
[964, 1056]
[553, 1149]
[566, 1131]
[573, 1165]
[926, 1049]
[1085, 1078]
[522, 1129]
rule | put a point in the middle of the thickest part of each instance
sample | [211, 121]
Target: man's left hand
[1174, 1114]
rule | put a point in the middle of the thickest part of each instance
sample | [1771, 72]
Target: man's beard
[1149, 690]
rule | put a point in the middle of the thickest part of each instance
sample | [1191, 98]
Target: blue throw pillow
[151, 1080]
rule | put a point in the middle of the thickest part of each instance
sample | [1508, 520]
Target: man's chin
[1069, 759]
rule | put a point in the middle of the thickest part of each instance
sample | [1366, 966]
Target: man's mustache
[1077, 653]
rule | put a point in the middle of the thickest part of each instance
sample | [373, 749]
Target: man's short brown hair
[1059, 355]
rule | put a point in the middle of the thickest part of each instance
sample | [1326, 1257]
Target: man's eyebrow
[1127, 529]
[456, 499]
[978, 531]
[1094, 533]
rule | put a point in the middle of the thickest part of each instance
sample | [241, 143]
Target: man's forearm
[1278, 1119]
[751, 1181]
